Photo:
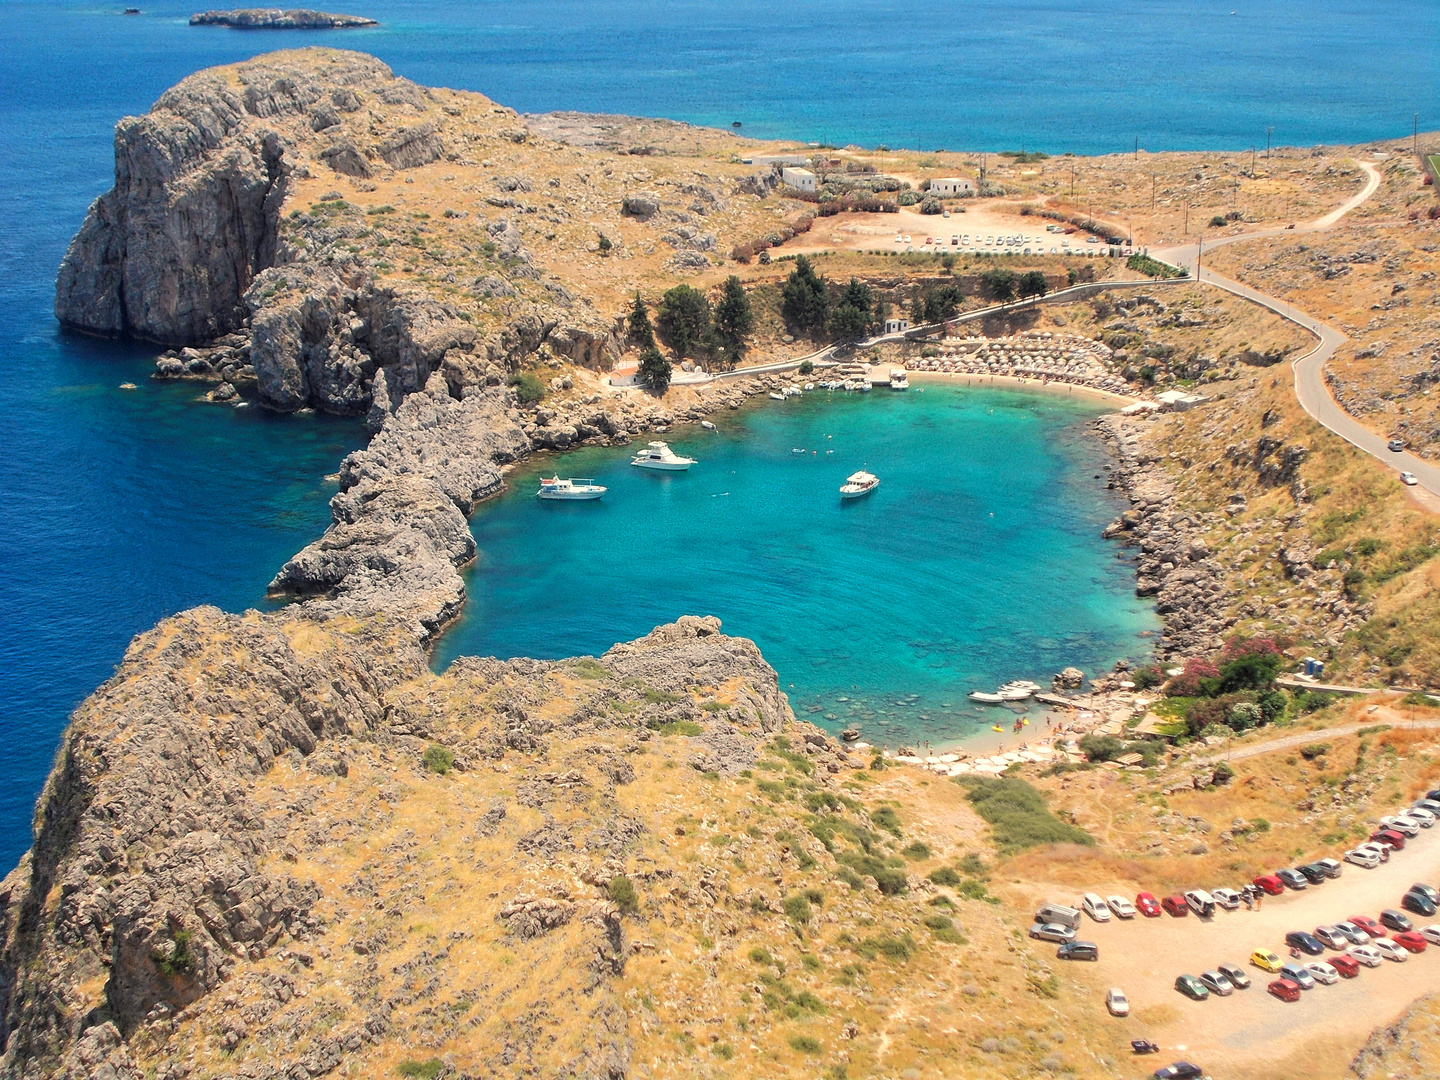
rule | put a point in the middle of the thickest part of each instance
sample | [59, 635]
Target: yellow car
[1266, 960]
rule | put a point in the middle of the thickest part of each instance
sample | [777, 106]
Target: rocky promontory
[276, 19]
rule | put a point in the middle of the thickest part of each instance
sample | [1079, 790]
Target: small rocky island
[275, 19]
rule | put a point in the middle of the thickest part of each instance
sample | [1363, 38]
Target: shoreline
[1018, 382]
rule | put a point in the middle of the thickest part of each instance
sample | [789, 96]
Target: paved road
[1309, 370]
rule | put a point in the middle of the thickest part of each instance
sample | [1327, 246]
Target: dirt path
[1288, 742]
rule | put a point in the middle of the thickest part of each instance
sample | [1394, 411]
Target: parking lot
[1236, 1036]
[988, 232]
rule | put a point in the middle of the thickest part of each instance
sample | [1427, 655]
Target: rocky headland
[276, 19]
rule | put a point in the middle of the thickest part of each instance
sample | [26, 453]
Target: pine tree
[734, 320]
[655, 370]
[804, 301]
[684, 318]
[641, 332]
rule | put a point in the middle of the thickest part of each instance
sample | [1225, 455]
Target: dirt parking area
[1252, 1033]
[986, 228]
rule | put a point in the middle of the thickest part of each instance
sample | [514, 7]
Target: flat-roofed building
[799, 179]
[952, 185]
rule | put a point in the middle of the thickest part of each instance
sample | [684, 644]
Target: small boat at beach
[860, 483]
[775, 395]
[658, 455]
[898, 379]
[984, 698]
[1014, 693]
[707, 425]
[575, 489]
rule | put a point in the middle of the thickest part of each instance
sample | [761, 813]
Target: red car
[1175, 905]
[1369, 925]
[1285, 990]
[1390, 838]
[1347, 966]
[1271, 884]
[1148, 905]
[1410, 941]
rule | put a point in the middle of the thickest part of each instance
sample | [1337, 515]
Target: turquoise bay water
[976, 560]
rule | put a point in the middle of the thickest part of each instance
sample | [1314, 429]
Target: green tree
[1032, 283]
[999, 283]
[655, 370]
[855, 313]
[684, 318]
[803, 301]
[641, 332]
[734, 320]
[941, 303]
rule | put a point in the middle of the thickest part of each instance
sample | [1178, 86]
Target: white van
[1058, 913]
[1200, 902]
[1095, 907]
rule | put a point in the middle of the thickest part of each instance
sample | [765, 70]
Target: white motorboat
[1014, 693]
[707, 425]
[898, 379]
[860, 483]
[575, 489]
[1021, 684]
[984, 698]
[775, 395]
[658, 455]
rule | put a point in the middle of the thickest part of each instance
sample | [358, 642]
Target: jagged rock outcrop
[276, 19]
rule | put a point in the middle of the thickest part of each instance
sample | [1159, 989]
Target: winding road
[1310, 388]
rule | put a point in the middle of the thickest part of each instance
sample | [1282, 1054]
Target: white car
[1389, 950]
[1334, 937]
[1408, 479]
[1117, 1002]
[1368, 859]
[1365, 954]
[1229, 899]
[1419, 814]
[1331, 867]
[1353, 933]
[907, 238]
[1323, 972]
[1095, 907]
[1122, 908]
[1382, 850]
[1401, 823]
[899, 239]
[1431, 933]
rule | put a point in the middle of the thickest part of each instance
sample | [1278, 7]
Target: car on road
[1396, 840]
[1078, 950]
[1052, 932]
[1180, 1070]
[1390, 951]
[1216, 983]
[1323, 972]
[1265, 960]
[1117, 1002]
[1396, 445]
[1313, 874]
[1381, 850]
[1363, 857]
[1408, 479]
[1200, 902]
[1410, 941]
[1122, 908]
[1148, 905]
[1229, 899]
[1299, 974]
[1333, 867]
[1428, 891]
[1285, 990]
[1292, 878]
[1431, 933]
[1356, 934]
[1419, 903]
[1395, 920]
[1270, 884]
[1236, 974]
[1334, 937]
[1175, 906]
[1305, 942]
[1365, 954]
[1094, 905]
[1402, 824]
[1347, 966]
[1192, 987]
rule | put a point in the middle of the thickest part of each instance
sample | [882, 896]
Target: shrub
[892, 948]
[622, 894]
[422, 1070]
[180, 960]
[439, 759]
[1097, 747]
[945, 876]
[1244, 715]
[1146, 677]
[973, 865]
[529, 390]
[1224, 773]
[806, 367]
[886, 818]
[1218, 221]
[944, 929]
[761, 956]
[588, 668]
[805, 1044]
[931, 205]
[1314, 750]
[917, 851]
[1153, 267]
[907, 198]
[797, 909]
[1017, 814]
[1187, 683]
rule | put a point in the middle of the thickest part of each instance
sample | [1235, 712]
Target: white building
[952, 185]
[799, 179]
[896, 326]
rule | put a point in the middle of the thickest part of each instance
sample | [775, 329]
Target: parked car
[1078, 950]
[1216, 983]
[1052, 932]
[1381, 851]
[1285, 990]
[1313, 874]
[1365, 954]
[1395, 920]
[1292, 878]
[1428, 891]
[1299, 974]
[1121, 907]
[1236, 974]
[1192, 987]
[1432, 805]
[1058, 913]
[1265, 960]
[1228, 899]
[1401, 824]
[1363, 857]
[1410, 941]
[1419, 903]
[1322, 972]
[1433, 793]
[1391, 837]
[1175, 905]
[1094, 905]
[1333, 937]
[1422, 817]
[1356, 935]
[1181, 1070]
[1369, 925]
[1148, 905]
[1200, 902]
[1431, 933]
[1117, 1002]
[1306, 943]
[1347, 966]
[1333, 867]
[1271, 884]
[1390, 951]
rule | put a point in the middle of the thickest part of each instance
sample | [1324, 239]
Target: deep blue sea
[120, 507]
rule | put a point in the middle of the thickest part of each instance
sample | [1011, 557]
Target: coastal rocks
[1072, 678]
[275, 19]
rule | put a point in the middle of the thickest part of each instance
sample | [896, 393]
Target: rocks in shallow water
[1072, 678]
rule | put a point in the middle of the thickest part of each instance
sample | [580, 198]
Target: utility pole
[1268, 130]
[1186, 228]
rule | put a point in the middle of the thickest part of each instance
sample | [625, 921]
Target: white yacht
[898, 379]
[574, 489]
[658, 455]
[860, 483]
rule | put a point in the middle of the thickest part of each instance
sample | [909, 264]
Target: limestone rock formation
[276, 19]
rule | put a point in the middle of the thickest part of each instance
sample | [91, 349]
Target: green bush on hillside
[1017, 814]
